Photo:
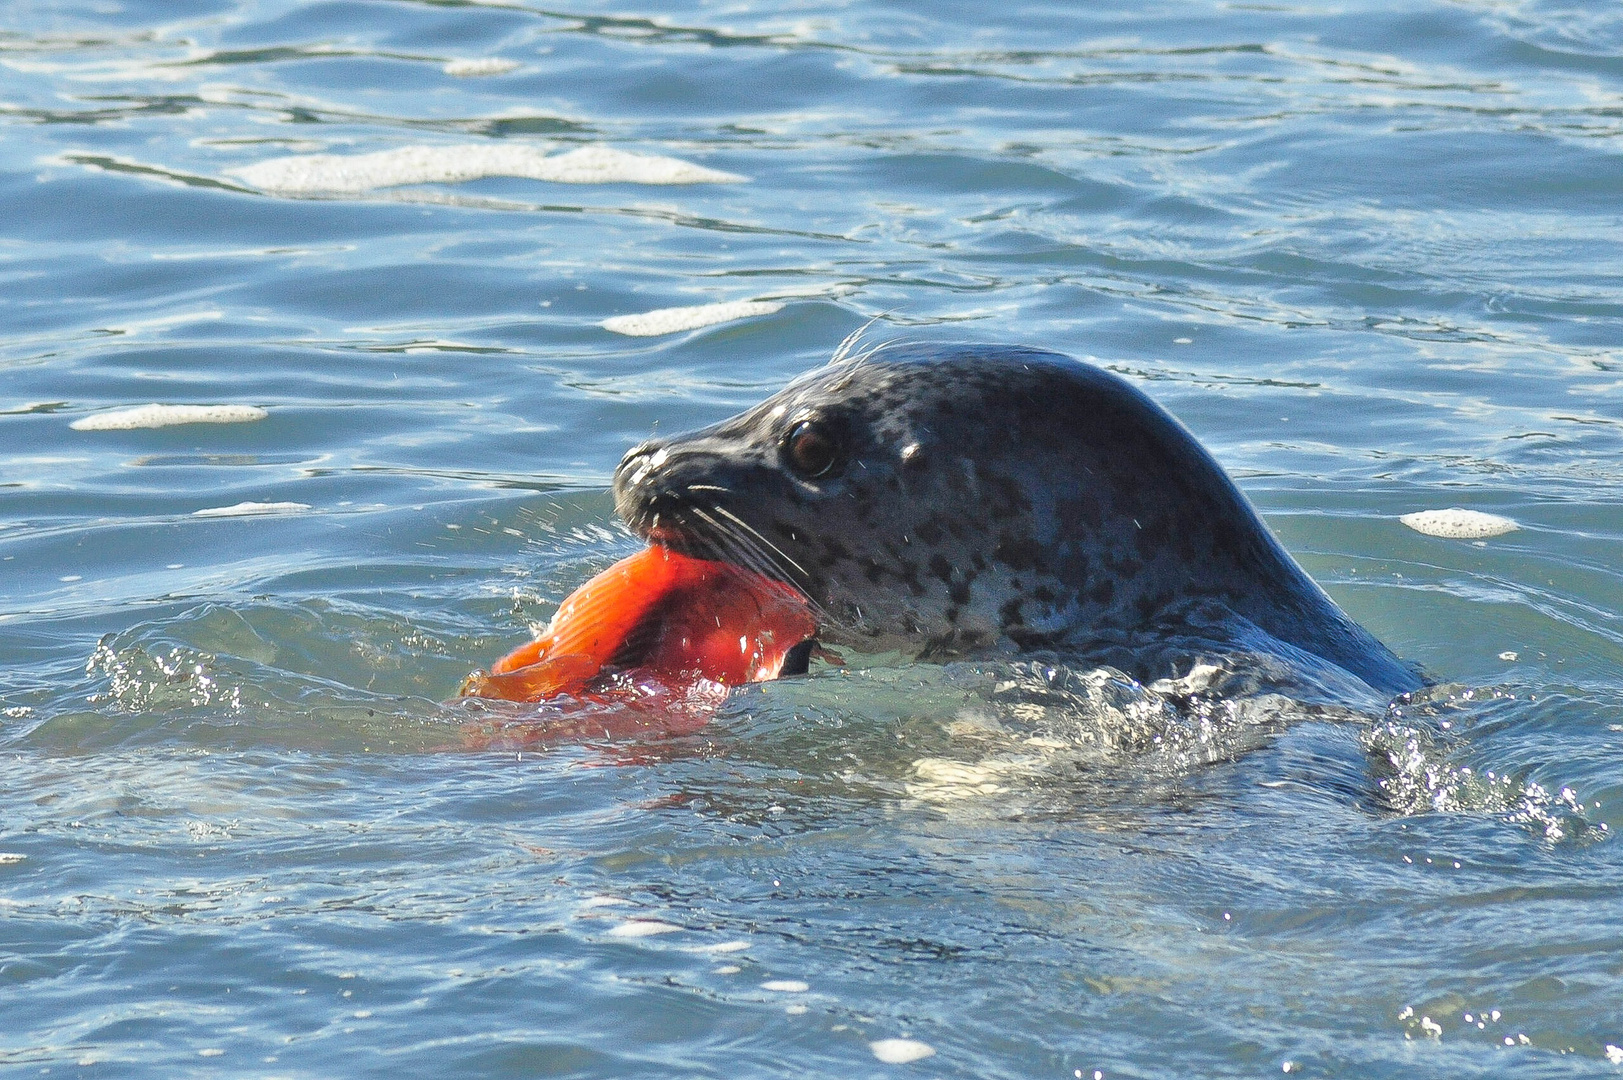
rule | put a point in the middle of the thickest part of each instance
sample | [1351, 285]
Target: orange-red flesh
[685, 619]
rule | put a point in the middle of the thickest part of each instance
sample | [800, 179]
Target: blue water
[1371, 254]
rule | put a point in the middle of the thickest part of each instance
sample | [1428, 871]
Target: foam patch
[900, 1051]
[248, 509]
[673, 320]
[482, 65]
[157, 416]
[941, 780]
[638, 928]
[722, 947]
[1457, 524]
[603, 901]
[341, 174]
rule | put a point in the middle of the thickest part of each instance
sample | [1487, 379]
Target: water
[1369, 253]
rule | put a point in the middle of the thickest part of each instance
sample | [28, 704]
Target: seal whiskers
[754, 552]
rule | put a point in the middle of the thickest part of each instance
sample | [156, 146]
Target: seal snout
[639, 497]
[666, 491]
[642, 488]
[638, 462]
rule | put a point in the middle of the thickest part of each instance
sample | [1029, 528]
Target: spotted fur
[990, 499]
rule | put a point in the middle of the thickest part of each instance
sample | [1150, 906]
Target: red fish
[671, 616]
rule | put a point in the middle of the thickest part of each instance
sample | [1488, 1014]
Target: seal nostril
[640, 450]
[638, 463]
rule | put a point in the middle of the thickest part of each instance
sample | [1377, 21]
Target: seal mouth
[713, 533]
[708, 530]
[686, 499]
[720, 547]
[677, 539]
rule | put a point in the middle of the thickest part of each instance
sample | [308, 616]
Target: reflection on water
[1367, 255]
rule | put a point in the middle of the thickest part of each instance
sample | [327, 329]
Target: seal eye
[811, 450]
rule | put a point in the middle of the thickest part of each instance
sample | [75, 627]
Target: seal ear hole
[811, 449]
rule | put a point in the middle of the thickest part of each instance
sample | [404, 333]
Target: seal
[975, 500]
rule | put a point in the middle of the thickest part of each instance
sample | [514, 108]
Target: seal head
[963, 500]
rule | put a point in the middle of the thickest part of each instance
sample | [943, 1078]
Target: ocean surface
[1370, 253]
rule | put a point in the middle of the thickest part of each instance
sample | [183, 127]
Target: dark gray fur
[993, 499]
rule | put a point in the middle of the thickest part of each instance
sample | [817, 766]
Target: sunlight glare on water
[327, 323]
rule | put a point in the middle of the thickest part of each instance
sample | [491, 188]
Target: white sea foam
[248, 509]
[900, 1051]
[786, 986]
[481, 65]
[942, 780]
[340, 174]
[671, 320]
[1457, 524]
[721, 947]
[156, 416]
[643, 928]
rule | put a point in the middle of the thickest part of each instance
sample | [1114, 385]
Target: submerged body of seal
[967, 500]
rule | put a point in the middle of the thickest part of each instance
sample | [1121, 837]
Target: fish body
[661, 613]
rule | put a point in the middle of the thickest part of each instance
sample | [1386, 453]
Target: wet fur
[993, 499]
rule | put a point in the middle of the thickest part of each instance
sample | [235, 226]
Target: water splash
[1423, 756]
